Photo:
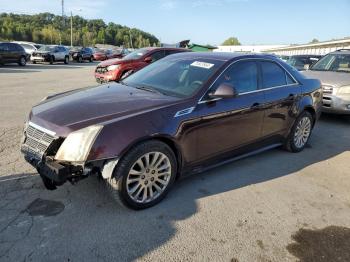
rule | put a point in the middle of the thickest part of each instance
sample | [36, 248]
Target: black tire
[34, 62]
[117, 185]
[290, 144]
[22, 61]
[66, 60]
[80, 59]
[91, 59]
[52, 59]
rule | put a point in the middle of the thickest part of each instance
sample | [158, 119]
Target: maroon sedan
[183, 114]
[116, 69]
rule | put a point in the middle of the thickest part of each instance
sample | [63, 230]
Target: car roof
[341, 51]
[164, 48]
[224, 56]
[306, 55]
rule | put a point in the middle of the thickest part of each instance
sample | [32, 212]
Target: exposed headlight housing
[76, 147]
[112, 67]
[344, 90]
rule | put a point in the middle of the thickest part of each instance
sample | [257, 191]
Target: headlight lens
[112, 67]
[76, 147]
[344, 90]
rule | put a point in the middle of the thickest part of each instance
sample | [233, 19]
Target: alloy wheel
[302, 132]
[148, 177]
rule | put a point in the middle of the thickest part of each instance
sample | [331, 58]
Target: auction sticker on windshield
[202, 64]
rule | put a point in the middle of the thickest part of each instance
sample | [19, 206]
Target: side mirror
[306, 66]
[148, 59]
[224, 91]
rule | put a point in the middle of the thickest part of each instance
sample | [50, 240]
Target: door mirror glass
[148, 59]
[224, 90]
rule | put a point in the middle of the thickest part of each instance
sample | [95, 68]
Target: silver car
[51, 54]
[334, 72]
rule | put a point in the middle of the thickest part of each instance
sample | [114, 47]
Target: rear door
[282, 92]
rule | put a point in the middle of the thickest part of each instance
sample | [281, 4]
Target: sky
[211, 21]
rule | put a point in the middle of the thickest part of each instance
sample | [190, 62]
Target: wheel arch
[166, 140]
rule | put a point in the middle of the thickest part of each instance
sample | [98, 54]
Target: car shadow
[92, 227]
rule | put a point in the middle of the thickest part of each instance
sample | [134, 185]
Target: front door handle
[291, 97]
[255, 106]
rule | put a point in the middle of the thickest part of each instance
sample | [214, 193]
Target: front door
[231, 123]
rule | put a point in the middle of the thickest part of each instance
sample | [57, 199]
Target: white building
[320, 48]
[246, 48]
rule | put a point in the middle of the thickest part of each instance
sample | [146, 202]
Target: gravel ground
[276, 206]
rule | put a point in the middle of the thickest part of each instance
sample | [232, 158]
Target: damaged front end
[59, 160]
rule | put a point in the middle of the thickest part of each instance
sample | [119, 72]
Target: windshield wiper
[149, 89]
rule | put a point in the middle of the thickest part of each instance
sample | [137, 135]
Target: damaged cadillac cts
[182, 114]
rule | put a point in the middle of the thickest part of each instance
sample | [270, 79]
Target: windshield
[179, 77]
[136, 54]
[333, 62]
[46, 48]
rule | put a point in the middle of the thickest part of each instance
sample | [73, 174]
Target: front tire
[80, 59]
[91, 59]
[52, 59]
[300, 133]
[144, 175]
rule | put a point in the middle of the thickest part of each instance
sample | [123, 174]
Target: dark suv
[81, 54]
[116, 69]
[182, 114]
[12, 53]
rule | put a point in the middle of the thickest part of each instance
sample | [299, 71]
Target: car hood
[113, 61]
[74, 110]
[336, 79]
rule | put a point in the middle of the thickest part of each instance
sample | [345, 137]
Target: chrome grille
[327, 89]
[101, 70]
[37, 141]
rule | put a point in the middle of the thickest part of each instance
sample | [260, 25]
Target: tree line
[47, 28]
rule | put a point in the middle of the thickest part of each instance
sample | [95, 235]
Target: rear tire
[91, 59]
[80, 59]
[140, 186]
[66, 60]
[300, 133]
[52, 59]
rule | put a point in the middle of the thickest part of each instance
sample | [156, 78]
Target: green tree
[314, 41]
[231, 41]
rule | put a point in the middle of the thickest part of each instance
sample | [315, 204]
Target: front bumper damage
[39, 147]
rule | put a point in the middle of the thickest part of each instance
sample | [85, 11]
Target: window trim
[296, 82]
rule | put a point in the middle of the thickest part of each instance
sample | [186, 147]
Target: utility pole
[71, 28]
[63, 22]
[132, 46]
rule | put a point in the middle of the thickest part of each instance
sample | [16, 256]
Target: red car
[99, 55]
[116, 69]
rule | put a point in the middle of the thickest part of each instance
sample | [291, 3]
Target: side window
[272, 75]
[290, 80]
[12, 47]
[61, 49]
[243, 76]
[157, 55]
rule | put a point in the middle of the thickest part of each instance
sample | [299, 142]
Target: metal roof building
[320, 48]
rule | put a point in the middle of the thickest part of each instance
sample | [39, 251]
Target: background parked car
[82, 53]
[303, 62]
[117, 53]
[29, 47]
[100, 55]
[51, 54]
[116, 69]
[334, 72]
[12, 53]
